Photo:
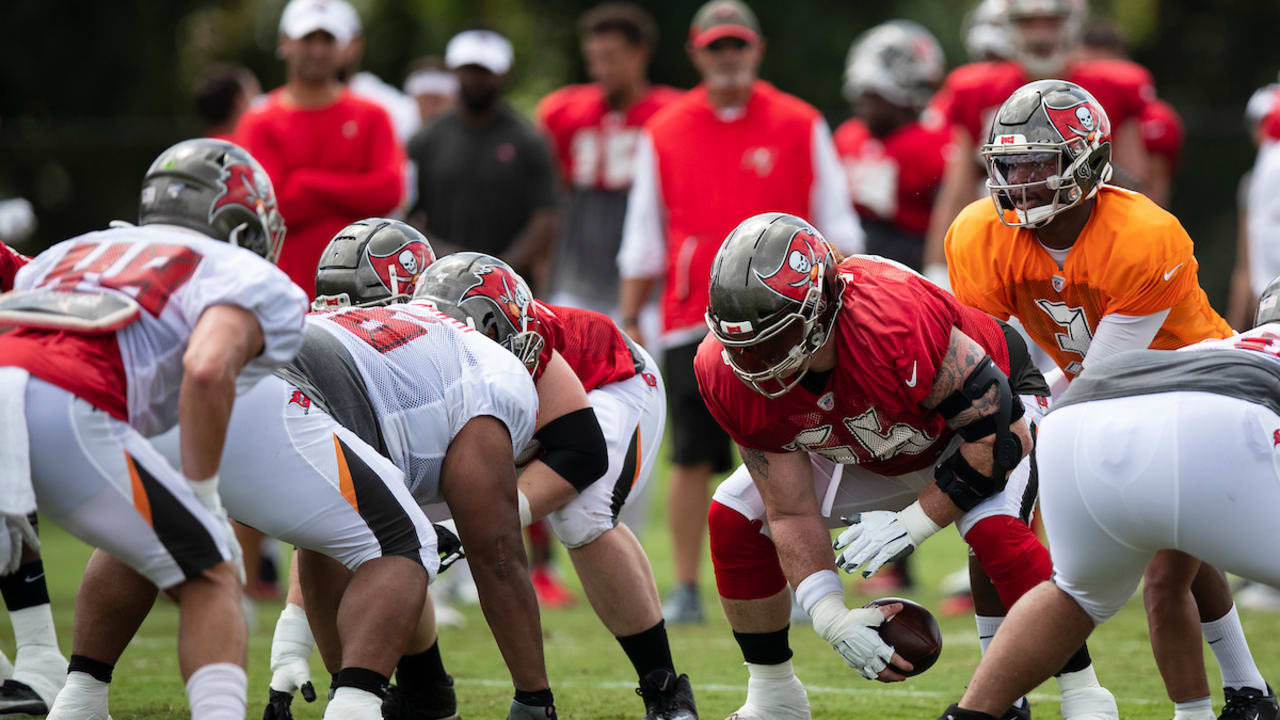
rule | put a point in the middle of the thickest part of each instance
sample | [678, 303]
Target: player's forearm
[362, 193]
[804, 545]
[506, 597]
[632, 294]
[204, 409]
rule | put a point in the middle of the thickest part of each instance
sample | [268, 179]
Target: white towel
[17, 497]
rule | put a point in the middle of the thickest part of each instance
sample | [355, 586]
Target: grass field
[592, 678]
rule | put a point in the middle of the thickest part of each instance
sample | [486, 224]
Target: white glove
[878, 537]
[15, 530]
[207, 493]
[291, 654]
[853, 634]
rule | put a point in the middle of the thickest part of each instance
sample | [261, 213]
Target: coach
[732, 147]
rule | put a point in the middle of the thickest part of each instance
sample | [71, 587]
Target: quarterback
[1091, 270]
[863, 390]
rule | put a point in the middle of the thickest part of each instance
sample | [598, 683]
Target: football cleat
[1249, 704]
[774, 700]
[1089, 703]
[551, 591]
[683, 606]
[19, 700]
[667, 697]
[435, 702]
[1021, 710]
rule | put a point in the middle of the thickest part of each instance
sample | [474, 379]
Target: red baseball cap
[723, 18]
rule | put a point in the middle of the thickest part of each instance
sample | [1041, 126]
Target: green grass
[592, 678]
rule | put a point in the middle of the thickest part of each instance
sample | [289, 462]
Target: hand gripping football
[913, 633]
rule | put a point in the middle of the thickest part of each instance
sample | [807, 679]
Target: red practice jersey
[330, 167]
[973, 93]
[891, 335]
[10, 261]
[589, 341]
[894, 178]
[595, 144]
[1162, 131]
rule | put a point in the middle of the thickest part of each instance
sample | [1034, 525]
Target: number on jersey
[150, 276]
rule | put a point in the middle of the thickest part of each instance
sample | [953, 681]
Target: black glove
[448, 544]
[278, 703]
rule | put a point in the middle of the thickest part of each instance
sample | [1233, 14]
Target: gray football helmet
[773, 300]
[899, 60]
[374, 261]
[216, 188]
[1044, 53]
[484, 293]
[1049, 150]
[1268, 304]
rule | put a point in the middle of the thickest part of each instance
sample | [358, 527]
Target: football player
[1041, 34]
[381, 395]
[30, 687]
[1090, 270]
[121, 334]
[1130, 468]
[599, 430]
[860, 390]
[892, 155]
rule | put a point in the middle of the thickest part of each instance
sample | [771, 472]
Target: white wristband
[206, 491]
[817, 586]
[526, 514]
[919, 526]
[826, 613]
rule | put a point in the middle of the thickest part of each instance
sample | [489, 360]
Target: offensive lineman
[125, 333]
[1090, 270]
[1132, 466]
[844, 387]
[603, 416]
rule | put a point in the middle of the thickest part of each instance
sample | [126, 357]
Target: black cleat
[18, 699]
[1021, 710]
[435, 702]
[1249, 704]
[667, 697]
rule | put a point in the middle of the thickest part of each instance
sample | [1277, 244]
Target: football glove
[290, 663]
[448, 544]
[878, 537]
[15, 531]
[853, 634]
[207, 493]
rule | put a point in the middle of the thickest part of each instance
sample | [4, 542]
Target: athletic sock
[771, 648]
[987, 627]
[95, 669]
[1226, 636]
[776, 671]
[424, 669]
[217, 692]
[648, 650]
[1198, 709]
[25, 587]
[1077, 679]
[34, 626]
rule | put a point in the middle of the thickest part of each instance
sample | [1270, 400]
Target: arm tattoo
[961, 359]
[756, 462]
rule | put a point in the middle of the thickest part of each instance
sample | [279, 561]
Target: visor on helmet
[1031, 183]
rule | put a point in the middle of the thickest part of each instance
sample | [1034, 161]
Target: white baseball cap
[336, 17]
[485, 48]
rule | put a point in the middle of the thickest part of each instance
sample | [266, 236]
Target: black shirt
[479, 186]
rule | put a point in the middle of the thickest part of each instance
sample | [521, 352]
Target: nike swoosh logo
[33, 578]
[912, 381]
[1174, 270]
[1214, 641]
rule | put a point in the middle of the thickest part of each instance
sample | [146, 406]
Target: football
[913, 633]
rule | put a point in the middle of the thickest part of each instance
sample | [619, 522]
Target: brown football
[913, 633]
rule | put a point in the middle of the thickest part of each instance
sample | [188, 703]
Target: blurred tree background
[91, 92]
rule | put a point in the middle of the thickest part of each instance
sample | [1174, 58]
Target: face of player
[432, 104]
[478, 88]
[1033, 172]
[881, 116]
[613, 62]
[1041, 36]
[729, 63]
[314, 58]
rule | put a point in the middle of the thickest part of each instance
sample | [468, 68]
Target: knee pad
[745, 559]
[574, 527]
[1010, 554]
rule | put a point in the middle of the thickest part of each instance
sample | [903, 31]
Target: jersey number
[1077, 337]
[604, 157]
[1267, 342]
[383, 329]
[151, 276]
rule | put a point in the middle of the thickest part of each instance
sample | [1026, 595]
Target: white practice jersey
[417, 377]
[174, 274]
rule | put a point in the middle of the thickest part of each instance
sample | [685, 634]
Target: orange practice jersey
[1132, 258]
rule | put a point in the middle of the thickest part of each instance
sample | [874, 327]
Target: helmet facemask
[774, 358]
[1031, 182]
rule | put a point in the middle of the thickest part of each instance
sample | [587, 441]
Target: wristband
[817, 586]
[919, 525]
[526, 514]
